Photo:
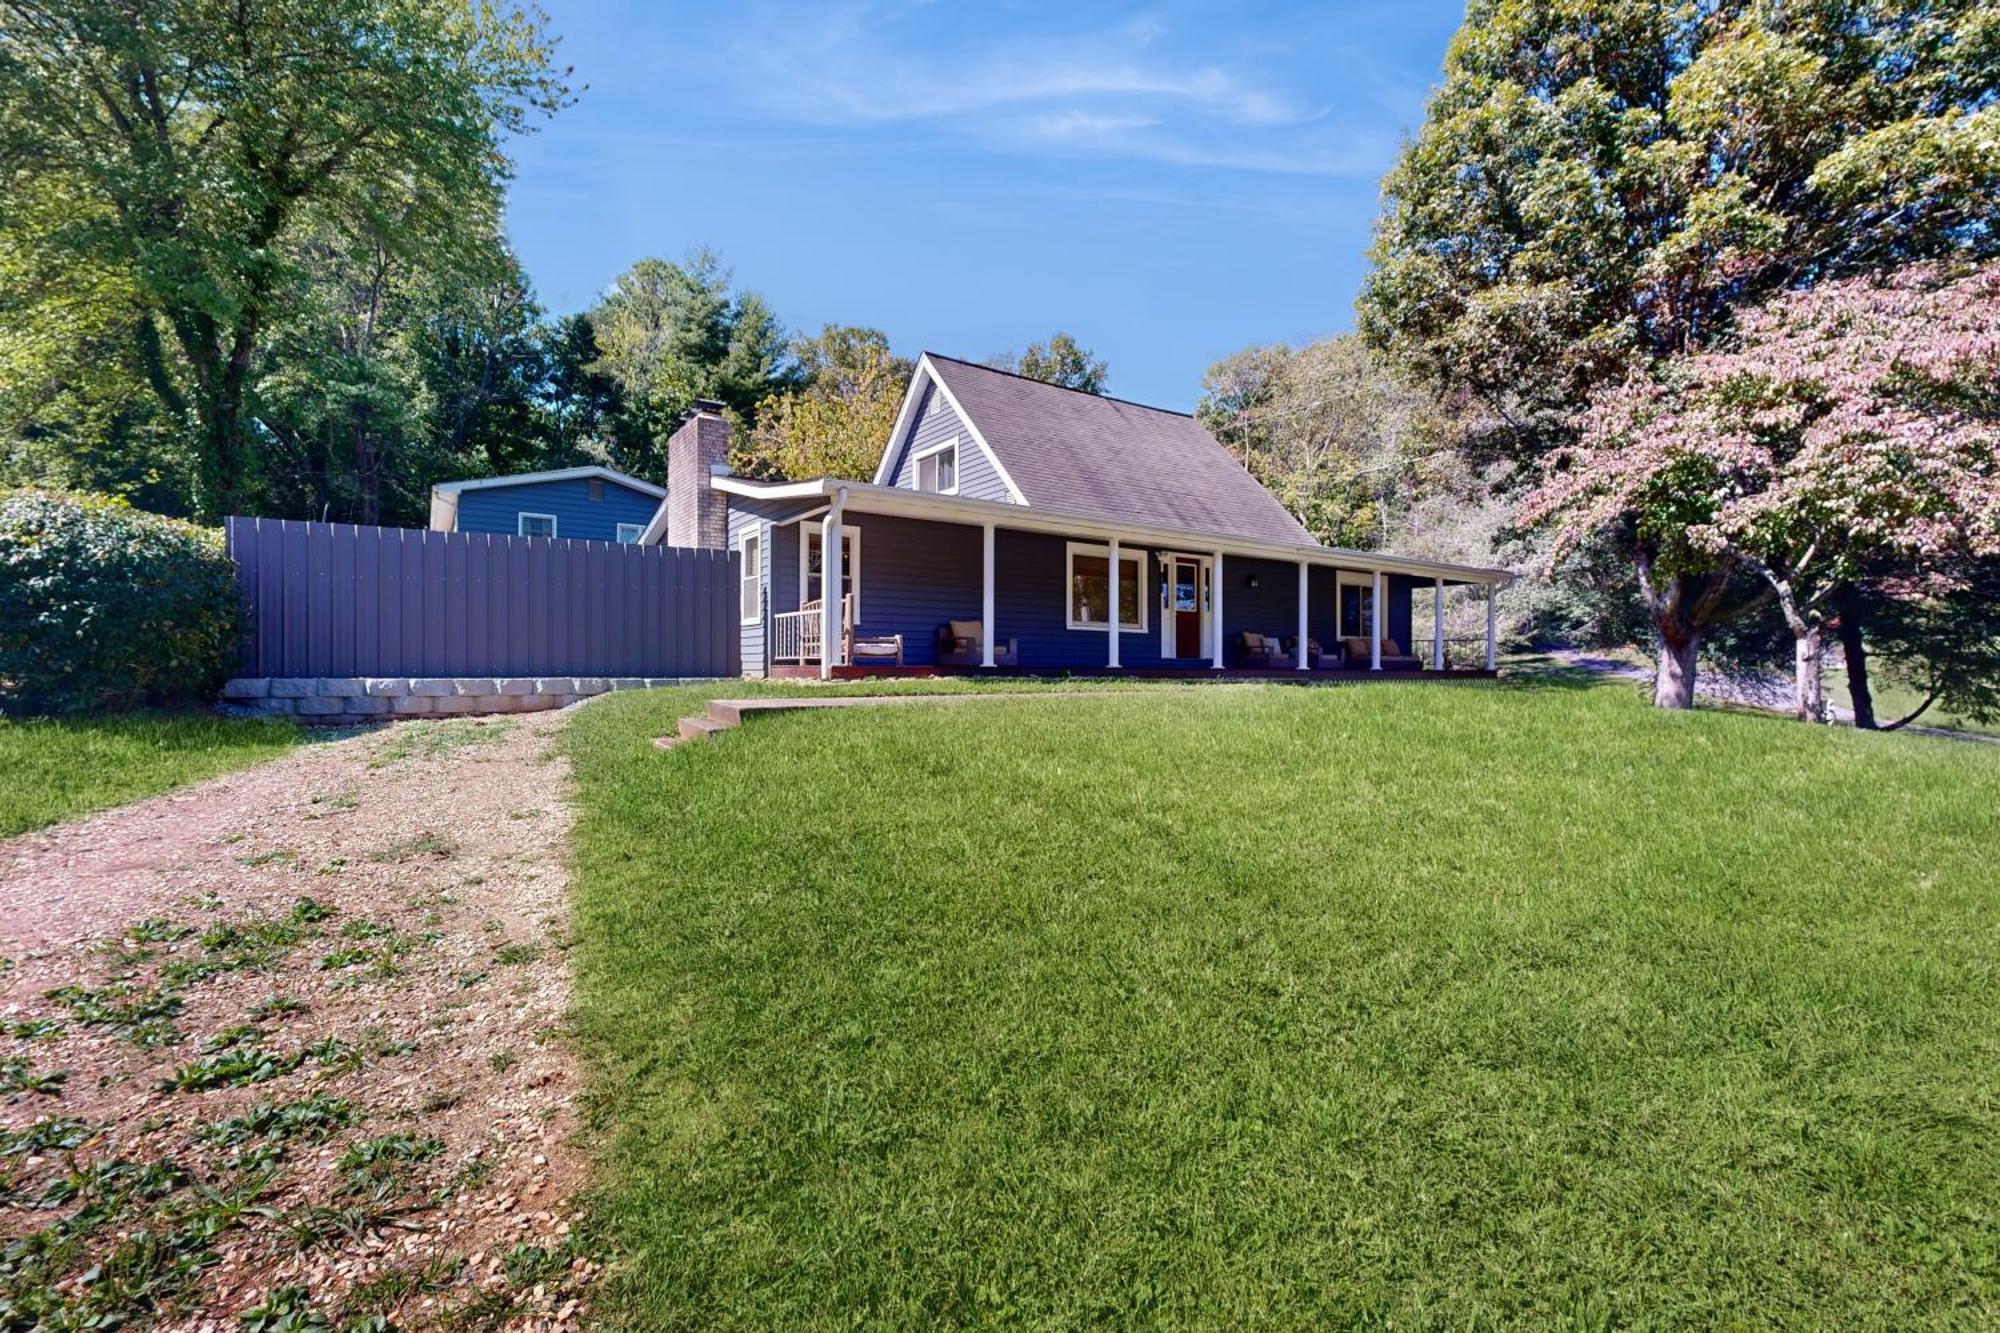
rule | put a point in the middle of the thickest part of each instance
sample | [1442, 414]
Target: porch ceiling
[867, 498]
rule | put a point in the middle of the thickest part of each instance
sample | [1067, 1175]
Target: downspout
[832, 638]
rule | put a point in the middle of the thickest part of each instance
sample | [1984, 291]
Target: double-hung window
[1089, 582]
[750, 593]
[1357, 606]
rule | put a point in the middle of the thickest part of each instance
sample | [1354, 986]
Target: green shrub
[103, 606]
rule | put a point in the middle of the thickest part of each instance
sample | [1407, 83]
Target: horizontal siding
[496, 509]
[977, 477]
[752, 637]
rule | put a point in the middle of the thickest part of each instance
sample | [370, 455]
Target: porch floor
[1324, 676]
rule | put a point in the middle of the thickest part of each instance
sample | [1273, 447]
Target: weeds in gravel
[509, 955]
[432, 740]
[309, 1118]
[158, 930]
[393, 1286]
[33, 1029]
[274, 856]
[502, 1061]
[428, 843]
[284, 1310]
[335, 959]
[234, 1068]
[140, 1014]
[17, 1076]
[277, 1006]
[51, 1133]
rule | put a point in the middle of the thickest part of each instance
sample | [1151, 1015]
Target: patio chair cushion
[1390, 648]
[971, 630]
[1356, 649]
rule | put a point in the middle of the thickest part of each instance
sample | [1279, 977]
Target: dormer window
[937, 468]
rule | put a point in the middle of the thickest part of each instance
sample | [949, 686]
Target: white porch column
[1492, 627]
[1111, 568]
[1302, 616]
[1437, 627]
[1375, 629]
[1215, 608]
[832, 639]
[986, 604]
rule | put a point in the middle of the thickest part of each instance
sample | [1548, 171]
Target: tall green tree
[669, 333]
[837, 421]
[1061, 360]
[1596, 185]
[199, 142]
[1328, 428]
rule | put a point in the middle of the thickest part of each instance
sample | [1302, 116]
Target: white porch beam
[1302, 616]
[1492, 627]
[832, 639]
[986, 602]
[1375, 627]
[1437, 628]
[1111, 568]
[1215, 608]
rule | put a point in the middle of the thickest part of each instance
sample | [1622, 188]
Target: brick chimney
[698, 514]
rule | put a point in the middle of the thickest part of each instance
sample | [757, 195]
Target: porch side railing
[796, 635]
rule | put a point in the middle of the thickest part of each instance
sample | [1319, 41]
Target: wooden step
[701, 728]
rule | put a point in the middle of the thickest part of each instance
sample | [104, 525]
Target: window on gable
[534, 525]
[630, 532]
[937, 469]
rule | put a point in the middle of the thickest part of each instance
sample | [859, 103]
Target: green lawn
[58, 768]
[1452, 1007]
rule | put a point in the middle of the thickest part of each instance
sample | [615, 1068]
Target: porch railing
[796, 635]
[1464, 654]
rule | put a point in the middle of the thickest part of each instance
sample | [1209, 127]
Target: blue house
[583, 503]
[1011, 524]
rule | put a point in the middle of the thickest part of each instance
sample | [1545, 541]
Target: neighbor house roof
[444, 495]
[1083, 453]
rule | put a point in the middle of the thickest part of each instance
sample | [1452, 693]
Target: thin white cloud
[1119, 92]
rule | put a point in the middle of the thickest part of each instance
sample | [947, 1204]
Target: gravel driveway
[295, 1038]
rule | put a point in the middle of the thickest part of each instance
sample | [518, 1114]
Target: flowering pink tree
[1851, 431]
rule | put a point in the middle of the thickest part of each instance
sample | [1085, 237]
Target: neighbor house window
[751, 591]
[630, 532]
[850, 566]
[1090, 588]
[535, 525]
[937, 469]
[1357, 606]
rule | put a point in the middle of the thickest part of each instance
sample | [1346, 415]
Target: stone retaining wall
[364, 698]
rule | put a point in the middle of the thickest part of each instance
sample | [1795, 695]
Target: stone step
[701, 728]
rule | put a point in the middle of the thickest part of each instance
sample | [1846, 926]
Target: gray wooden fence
[334, 599]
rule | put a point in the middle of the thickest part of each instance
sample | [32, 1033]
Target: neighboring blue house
[582, 503]
[989, 536]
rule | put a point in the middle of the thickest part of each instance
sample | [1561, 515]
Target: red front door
[1187, 608]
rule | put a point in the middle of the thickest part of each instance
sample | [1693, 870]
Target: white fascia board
[655, 530]
[559, 474]
[972, 429]
[904, 415]
[865, 497]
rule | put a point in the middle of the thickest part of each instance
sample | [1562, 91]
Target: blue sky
[1168, 183]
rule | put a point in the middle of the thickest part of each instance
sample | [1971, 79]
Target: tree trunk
[1854, 650]
[1673, 687]
[1809, 688]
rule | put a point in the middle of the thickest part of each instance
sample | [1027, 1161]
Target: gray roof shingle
[1087, 454]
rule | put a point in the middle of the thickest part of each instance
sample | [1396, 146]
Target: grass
[52, 769]
[1894, 699]
[1446, 1007]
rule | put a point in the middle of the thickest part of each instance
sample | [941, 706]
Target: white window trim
[851, 566]
[930, 451]
[637, 530]
[1351, 578]
[1126, 555]
[521, 517]
[752, 576]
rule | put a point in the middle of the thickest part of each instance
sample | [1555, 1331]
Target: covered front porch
[923, 596]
